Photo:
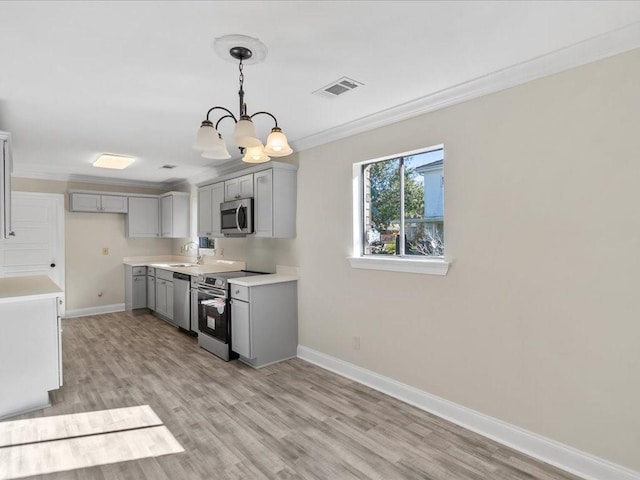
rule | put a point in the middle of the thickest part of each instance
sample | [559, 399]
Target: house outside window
[398, 213]
[403, 205]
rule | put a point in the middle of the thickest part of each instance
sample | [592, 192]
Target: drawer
[240, 292]
[139, 270]
[164, 274]
[151, 271]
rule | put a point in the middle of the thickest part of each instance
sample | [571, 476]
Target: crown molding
[65, 177]
[590, 50]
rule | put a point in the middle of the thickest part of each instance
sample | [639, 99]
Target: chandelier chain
[243, 106]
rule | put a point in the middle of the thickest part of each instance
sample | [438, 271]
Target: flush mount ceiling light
[209, 141]
[117, 162]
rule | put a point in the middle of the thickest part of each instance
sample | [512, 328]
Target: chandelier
[209, 140]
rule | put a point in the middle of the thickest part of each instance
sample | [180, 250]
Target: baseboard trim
[85, 312]
[554, 453]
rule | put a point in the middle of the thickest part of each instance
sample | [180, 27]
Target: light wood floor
[292, 420]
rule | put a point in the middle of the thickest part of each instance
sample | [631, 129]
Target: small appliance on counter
[211, 299]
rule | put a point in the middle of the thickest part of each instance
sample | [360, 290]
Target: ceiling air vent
[337, 88]
[168, 167]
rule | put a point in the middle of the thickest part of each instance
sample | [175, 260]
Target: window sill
[423, 266]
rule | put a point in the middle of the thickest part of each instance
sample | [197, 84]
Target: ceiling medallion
[246, 51]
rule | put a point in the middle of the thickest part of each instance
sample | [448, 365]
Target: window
[399, 211]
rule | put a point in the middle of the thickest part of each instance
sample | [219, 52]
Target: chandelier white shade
[220, 153]
[210, 142]
[255, 155]
[208, 138]
[277, 145]
[244, 135]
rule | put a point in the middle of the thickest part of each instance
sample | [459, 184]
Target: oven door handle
[237, 220]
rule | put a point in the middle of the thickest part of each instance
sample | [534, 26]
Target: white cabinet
[275, 203]
[30, 353]
[239, 187]
[209, 199]
[92, 202]
[264, 322]
[174, 215]
[6, 166]
[143, 219]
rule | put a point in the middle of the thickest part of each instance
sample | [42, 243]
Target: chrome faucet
[187, 246]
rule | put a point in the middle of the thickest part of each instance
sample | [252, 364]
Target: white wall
[537, 321]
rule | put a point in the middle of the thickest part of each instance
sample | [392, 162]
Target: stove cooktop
[220, 279]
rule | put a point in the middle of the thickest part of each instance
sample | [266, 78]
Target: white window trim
[425, 266]
[432, 266]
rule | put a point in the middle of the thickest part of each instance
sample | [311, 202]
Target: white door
[38, 245]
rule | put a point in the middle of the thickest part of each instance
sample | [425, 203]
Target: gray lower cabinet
[240, 328]
[264, 322]
[164, 294]
[151, 288]
[135, 287]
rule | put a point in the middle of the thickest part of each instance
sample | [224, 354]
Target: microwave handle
[237, 220]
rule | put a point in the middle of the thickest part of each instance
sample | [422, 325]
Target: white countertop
[262, 279]
[162, 262]
[28, 287]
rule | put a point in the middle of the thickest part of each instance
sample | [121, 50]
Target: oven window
[213, 317]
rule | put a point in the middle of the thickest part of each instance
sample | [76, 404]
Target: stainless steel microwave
[236, 217]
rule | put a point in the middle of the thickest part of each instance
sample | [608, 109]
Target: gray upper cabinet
[143, 219]
[5, 185]
[274, 190]
[174, 214]
[209, 199]
[239, 187]
[165, 216]
[275, 203]
[93, 202]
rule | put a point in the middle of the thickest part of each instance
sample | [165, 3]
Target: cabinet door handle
[12, 234]
[237, 292]
[53, 265]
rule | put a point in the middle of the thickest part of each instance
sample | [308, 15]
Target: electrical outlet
[105, 250]
[355, 343]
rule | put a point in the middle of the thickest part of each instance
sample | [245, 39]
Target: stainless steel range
[213, 312]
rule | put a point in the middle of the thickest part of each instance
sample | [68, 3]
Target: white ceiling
[136, 78]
